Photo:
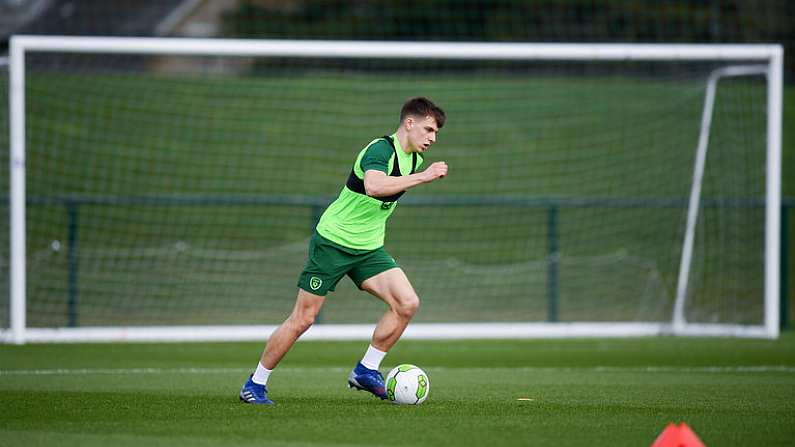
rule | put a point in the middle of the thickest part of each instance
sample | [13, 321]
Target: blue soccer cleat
[363, 378]
[254, 393]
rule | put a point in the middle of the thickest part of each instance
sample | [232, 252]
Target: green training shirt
[355, 220]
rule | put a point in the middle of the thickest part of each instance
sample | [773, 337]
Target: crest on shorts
[315, 283]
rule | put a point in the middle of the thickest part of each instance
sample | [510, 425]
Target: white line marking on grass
[596, 369]
[699, 369]
[635, 369]
[100, 371]
[86, 371]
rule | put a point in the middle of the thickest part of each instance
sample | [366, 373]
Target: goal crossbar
[400, 50]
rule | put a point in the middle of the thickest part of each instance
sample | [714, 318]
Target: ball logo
[315, 283]
[422, 386]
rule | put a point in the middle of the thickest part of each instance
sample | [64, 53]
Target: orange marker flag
[677, 436]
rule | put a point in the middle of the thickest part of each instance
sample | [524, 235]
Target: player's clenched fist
[435, 170]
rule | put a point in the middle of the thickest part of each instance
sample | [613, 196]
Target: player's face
[421, 133]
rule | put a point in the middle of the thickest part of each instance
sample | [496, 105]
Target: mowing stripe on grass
[597, 369]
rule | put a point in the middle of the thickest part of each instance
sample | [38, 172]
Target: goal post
[772, 203]
[555, 241]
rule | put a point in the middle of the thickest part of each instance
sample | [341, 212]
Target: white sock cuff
[261, 374]
[373, 357]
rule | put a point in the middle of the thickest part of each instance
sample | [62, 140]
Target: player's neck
[403, 139]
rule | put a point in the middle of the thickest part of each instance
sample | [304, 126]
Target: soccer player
[349, 239]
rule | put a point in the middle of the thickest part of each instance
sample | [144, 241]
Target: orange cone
[681, 436]
[688, 437]
[668, 437]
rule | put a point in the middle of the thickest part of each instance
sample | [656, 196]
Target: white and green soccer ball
[407, 385]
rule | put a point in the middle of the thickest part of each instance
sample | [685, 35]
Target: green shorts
[328, 262]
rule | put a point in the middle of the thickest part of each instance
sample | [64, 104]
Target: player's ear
[409, 122]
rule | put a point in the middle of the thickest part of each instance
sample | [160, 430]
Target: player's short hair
[421, 106]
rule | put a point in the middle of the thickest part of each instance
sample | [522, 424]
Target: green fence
[552, 206]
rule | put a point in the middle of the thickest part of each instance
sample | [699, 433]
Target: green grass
[584, 392]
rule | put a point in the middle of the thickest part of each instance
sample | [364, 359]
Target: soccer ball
[407, 385]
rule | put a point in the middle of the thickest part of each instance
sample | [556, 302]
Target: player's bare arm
[378, 184]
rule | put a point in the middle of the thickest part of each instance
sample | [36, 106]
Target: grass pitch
[574, 392]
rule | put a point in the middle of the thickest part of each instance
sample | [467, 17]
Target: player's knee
[302, 321]
[408, 306]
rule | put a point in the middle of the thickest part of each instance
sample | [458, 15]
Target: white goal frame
[769, 57]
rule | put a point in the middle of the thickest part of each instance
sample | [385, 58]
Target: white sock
[261, 374]
[372, 358]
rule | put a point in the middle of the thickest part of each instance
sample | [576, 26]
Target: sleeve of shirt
[377, 157]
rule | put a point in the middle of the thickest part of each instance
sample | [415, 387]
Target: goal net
[167, 188]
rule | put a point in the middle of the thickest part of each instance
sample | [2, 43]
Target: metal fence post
[73, 210]
[553, 264]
